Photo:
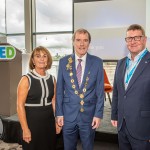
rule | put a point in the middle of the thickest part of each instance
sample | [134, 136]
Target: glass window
[2, 16]
[17, 41]
[58, 44]
[53, 15]
[15, 16]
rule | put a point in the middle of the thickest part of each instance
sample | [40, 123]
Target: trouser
[71, 132]
[127, 142]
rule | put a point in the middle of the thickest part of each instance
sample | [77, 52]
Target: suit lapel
[123, 72]
[143, 63]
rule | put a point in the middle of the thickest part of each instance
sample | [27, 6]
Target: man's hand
[114, 123]
[95, 123]
[58, 128]
[60, 121]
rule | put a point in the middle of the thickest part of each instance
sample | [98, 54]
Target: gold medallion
[81, 110]
[73, 86]
[82, 102]
[67, 66]
[81, 96]
[87, 78]
[72, 81]
[70, 60]
[76, 92]
[71, 74]
[84, 90]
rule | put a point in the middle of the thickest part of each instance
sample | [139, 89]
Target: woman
[36, 103]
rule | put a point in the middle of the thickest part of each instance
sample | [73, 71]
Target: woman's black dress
[39, 113]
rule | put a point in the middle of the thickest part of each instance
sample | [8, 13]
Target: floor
[102, 146]
[97, 146]
[9, 146]
[106, 121]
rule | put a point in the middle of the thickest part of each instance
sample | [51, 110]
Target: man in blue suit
[131, 94]
[80, 94]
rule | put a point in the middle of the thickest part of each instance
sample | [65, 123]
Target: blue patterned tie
[79, 72]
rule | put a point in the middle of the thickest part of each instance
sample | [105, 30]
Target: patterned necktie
[79, 72]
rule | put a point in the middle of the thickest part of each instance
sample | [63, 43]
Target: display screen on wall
[107, 22]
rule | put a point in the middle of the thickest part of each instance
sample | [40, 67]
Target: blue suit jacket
[68, 103]
[133, 104]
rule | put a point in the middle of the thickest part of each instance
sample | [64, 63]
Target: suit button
[125, 97]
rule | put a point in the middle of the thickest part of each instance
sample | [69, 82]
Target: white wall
[25, 63]
[148, 22]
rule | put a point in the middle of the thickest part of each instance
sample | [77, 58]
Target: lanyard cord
[129, 75]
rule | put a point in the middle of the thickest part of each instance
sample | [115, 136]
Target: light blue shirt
[132, 65]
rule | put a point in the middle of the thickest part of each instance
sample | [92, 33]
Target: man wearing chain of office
[80, 94]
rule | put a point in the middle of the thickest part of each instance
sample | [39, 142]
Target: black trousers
[127, 142]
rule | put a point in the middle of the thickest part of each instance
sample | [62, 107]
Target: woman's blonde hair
[38, 50]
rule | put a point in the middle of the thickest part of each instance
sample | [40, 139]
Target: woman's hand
[27, 135]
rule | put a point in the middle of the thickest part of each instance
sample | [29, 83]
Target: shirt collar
[136, 57]
[38, 75]
[83, 58]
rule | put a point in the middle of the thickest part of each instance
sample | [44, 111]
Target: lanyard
[129, 74]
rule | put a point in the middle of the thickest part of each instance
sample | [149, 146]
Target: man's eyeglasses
[136, 38]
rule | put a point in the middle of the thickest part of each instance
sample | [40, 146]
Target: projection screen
[107, 22]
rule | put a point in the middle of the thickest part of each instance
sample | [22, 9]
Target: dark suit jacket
[68, 103]
[133, 104]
